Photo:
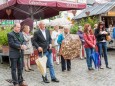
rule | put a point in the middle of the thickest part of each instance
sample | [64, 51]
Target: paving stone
[78, 76]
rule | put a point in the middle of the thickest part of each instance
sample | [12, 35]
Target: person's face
[80, 29]
[95, 26]
[66, 31]
[17, 28]
[101, 26]
[42, 25]
[89, 28]
[27, 29]
[56, 28]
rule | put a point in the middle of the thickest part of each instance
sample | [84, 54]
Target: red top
[90, 40]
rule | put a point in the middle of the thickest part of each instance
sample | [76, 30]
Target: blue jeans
[102, 48]
[89, 51]
[50, 64]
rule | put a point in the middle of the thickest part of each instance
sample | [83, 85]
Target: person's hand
[50, 46]
[94, 46]
[63, 42]
[57, 35]
[100, 32]
[83, 40]
[105, 32]
[23, 47]
[31, 36]
[40, 49]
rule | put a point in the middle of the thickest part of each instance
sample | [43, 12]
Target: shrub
[3, 37]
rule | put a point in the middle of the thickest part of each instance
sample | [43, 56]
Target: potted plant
[4, 40]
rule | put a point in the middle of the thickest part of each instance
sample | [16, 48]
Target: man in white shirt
[42, 42]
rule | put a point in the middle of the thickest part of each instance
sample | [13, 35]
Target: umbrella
[96, 59]
[59, 22]
[36, 9]
[28, 22]
[70, 47]
[41, 64]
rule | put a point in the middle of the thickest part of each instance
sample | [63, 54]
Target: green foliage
[92, 21]
[74, 29]
[3, 36]
[50, 28]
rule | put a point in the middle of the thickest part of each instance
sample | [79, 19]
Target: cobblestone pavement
[78, 76]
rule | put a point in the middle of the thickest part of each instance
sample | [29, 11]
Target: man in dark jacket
[16, 45]
[42, 42]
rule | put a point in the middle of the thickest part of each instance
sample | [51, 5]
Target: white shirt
[44, 33]
[55, 36]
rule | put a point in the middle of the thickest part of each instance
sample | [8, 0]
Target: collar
[15, 32]
[42, 30]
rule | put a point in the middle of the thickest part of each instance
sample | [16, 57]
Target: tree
[90, 20]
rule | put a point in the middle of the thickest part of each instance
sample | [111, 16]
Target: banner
[69, 0]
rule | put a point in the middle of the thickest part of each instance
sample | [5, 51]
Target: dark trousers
[16, 70]
[102, 47]
[64, 62]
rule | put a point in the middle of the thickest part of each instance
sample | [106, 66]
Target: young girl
[90, 43]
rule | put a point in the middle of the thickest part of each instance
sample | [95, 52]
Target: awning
[65, 4]
[96, 10]
[50, 3]
[37, 9]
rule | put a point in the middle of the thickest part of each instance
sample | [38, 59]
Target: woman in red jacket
[90, 44]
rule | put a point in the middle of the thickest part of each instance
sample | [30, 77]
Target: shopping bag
[54, 54]
[33, 57]
[41, 64]
[108, 37]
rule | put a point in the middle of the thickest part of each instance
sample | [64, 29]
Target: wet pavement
[78, 76]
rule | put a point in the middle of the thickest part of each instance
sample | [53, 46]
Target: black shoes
[101, 68]
[16, 85]
[63, 70]
[90, 69]
[45, 80]
[108, 67]
[55, 80]
[69, 69]
[31, 69]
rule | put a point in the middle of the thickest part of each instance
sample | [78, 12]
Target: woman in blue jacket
[60, 40]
